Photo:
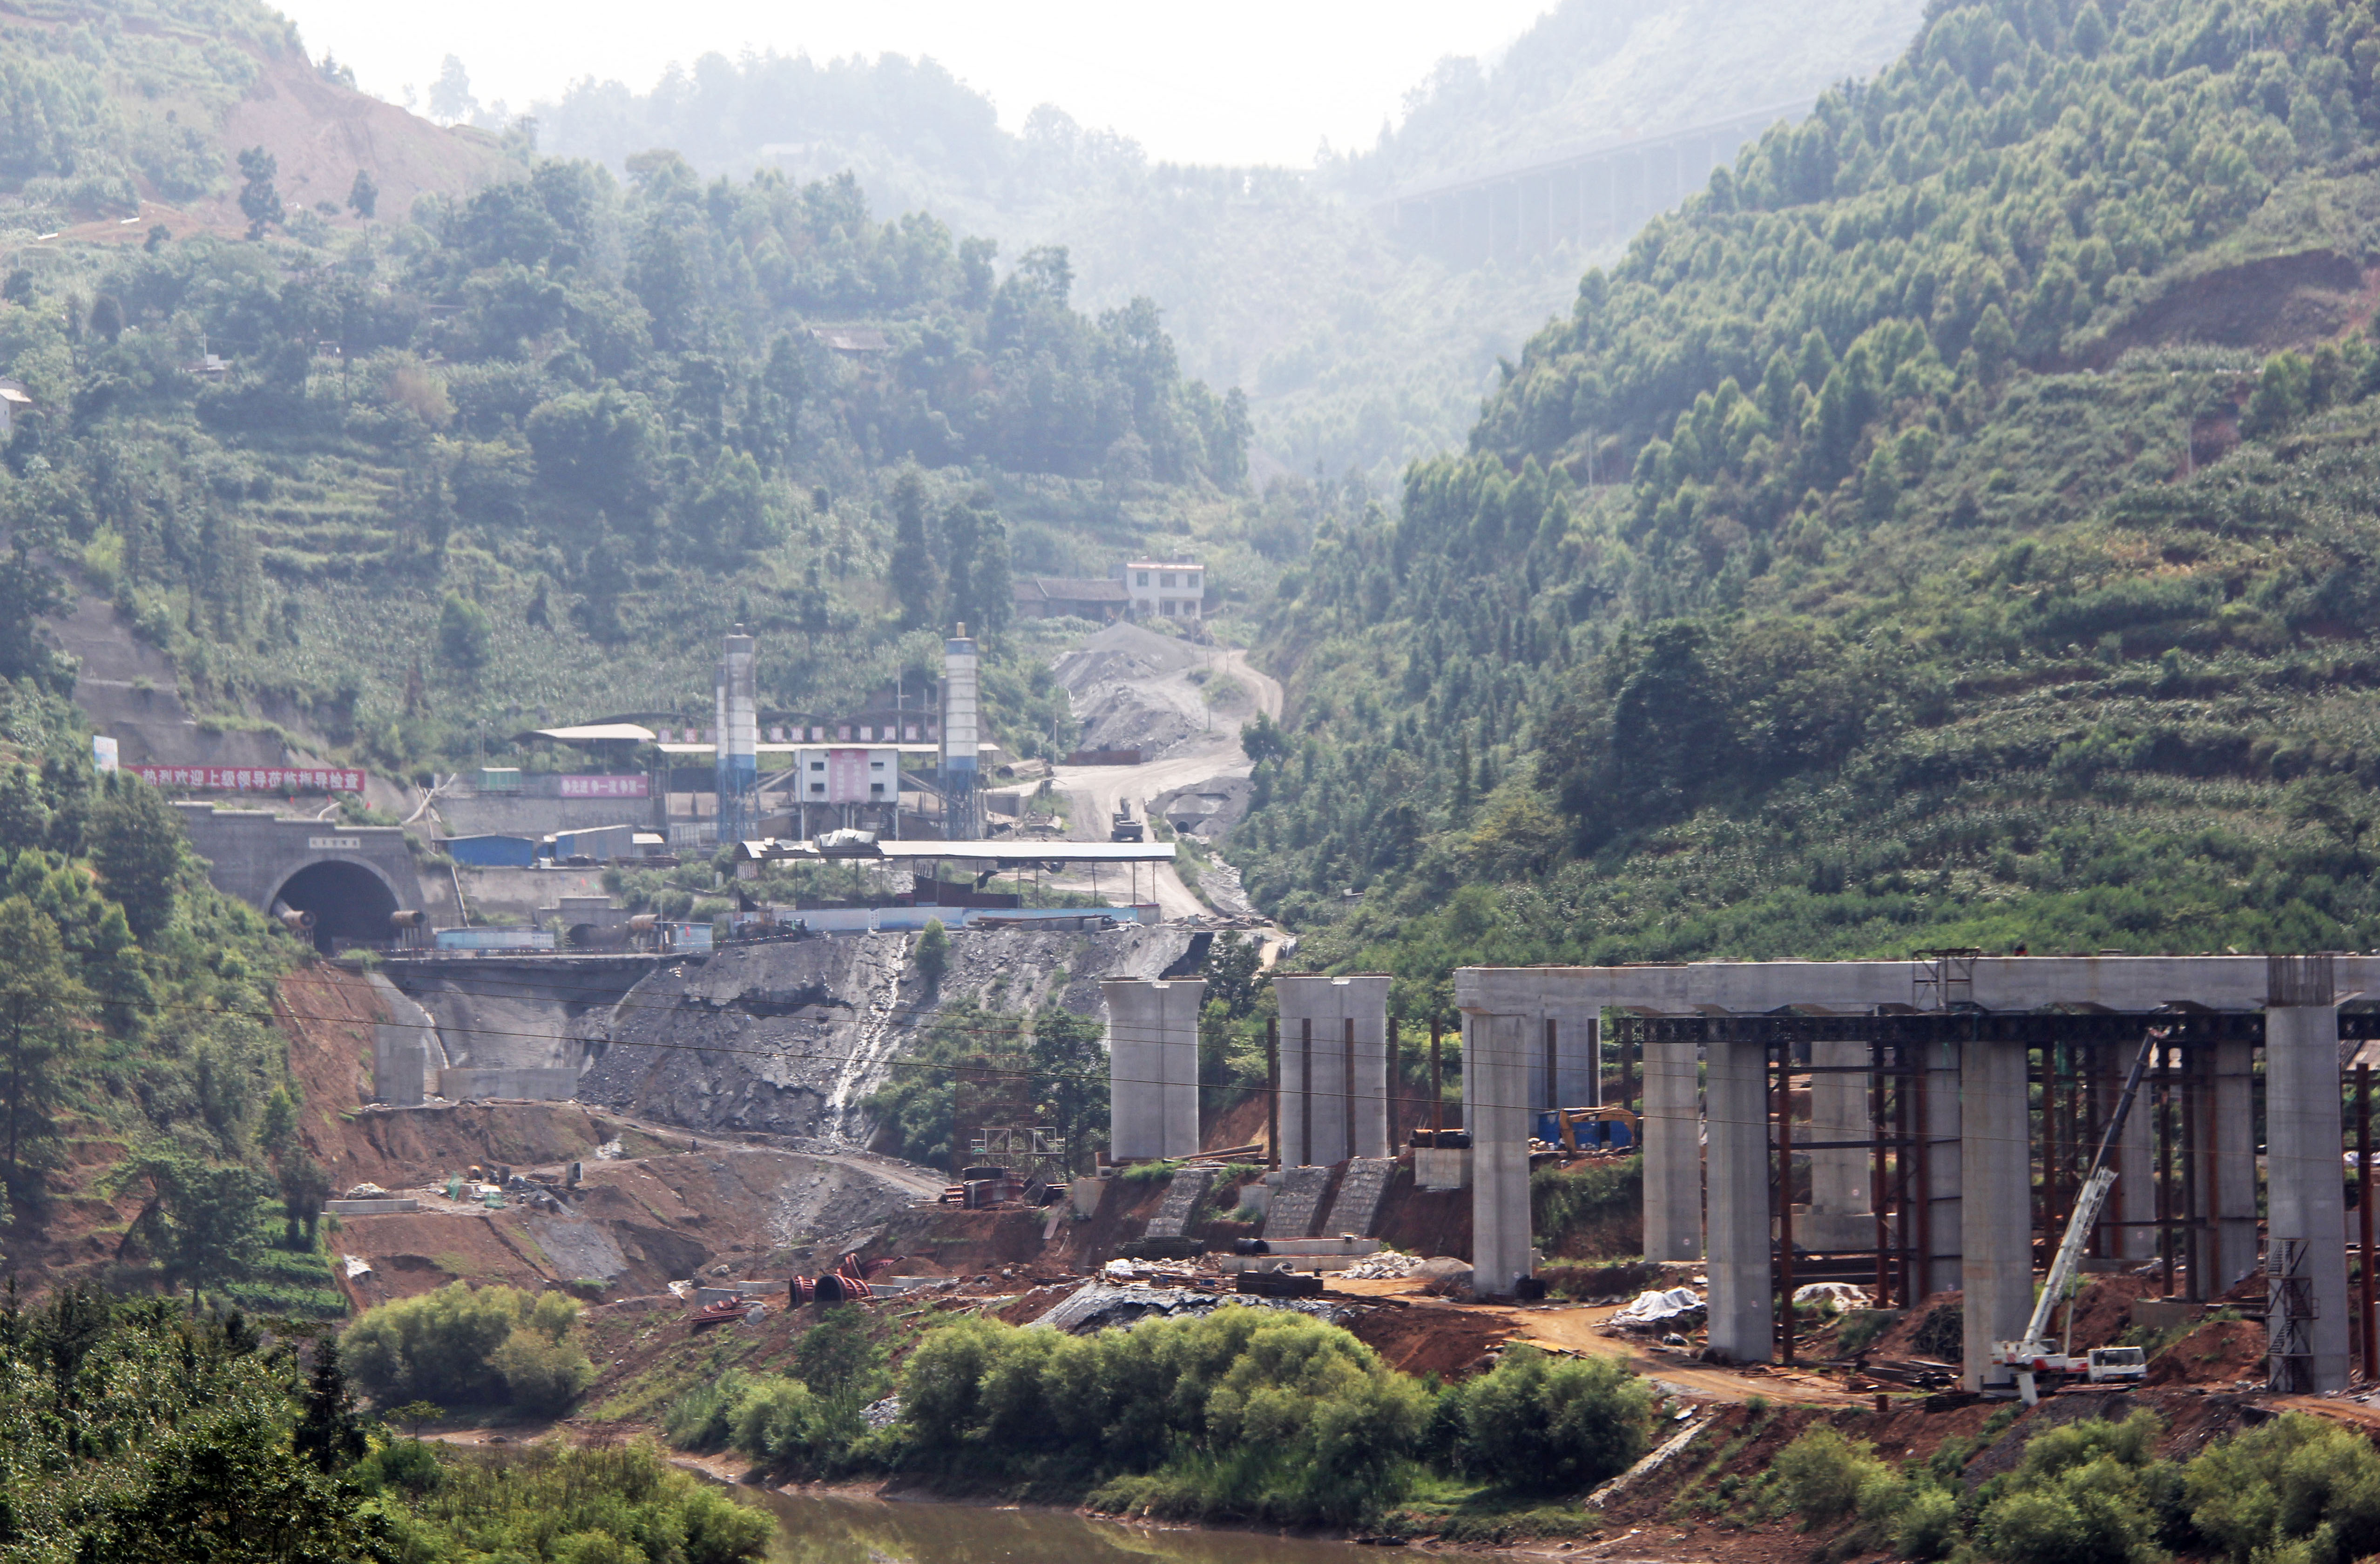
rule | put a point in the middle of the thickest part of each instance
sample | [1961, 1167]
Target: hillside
[140, 109]
[1356, 352]
[525, 458]
[1955, 527]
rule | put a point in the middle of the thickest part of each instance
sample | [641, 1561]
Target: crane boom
[2035, 1346]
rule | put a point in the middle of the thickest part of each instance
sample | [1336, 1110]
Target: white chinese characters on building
[253, 778]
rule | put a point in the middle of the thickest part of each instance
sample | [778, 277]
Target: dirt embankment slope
[655, 1204]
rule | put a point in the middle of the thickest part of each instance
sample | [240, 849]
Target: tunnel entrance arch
[350, 902]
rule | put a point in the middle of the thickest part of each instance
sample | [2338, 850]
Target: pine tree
[42, 1010]
[24, 819]
[137, 845]
[916, 581]
[329, 1433]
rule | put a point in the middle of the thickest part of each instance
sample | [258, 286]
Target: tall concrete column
[1672, 1123]
[1995, 1224]
[1743, 1309]
[1152, 1067]
[2305, 1196]
[2135, 1192]
[1321, 1007]
[1943, 1205]
[1562, 1071]
[1842, 1213]
[2235, 1165]
[1495, 1105]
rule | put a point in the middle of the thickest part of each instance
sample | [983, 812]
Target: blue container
[492, 851]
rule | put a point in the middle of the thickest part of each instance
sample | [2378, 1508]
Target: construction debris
[1389, 1265]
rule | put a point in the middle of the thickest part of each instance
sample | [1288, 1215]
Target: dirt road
[1575, 1329]
[1099, 789]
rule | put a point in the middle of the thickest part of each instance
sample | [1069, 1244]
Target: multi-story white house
[1163, 588]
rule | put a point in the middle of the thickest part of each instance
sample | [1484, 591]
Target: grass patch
[1479, 1514]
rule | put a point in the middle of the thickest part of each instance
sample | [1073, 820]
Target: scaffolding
[2075, 1063]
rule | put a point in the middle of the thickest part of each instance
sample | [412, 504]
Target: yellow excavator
[1588, 1129]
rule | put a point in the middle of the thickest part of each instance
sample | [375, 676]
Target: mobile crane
[2035, 1357]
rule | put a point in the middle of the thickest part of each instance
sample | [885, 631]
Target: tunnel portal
[350, 904]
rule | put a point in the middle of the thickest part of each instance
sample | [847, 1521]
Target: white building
[1163, 588]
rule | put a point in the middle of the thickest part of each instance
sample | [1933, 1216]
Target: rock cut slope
[793, 1038]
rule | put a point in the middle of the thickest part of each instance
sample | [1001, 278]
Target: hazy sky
[1210, 81]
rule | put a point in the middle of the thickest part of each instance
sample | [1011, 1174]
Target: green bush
[462, 1345]
[2296, 1489]
[1546, 1424]
[703, 1418]
[806, 1423]
[1824, 1473]
[1248, 1413]
[2087, 1492]
[1564, 1199]
[1927, 1524]
[1862, 1326]
[622, 1505]
[933, 951]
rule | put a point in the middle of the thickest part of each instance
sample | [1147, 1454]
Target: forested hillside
[1956, 528]
[530, 453]
[1355, 353]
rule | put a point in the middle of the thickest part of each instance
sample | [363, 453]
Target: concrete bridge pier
[2306, 1226]
[1672, 1128]
[1995, 1215]
[1334, 1090]
[1943, 1210]
[1842, 1213]
[2235, 1165]
[1743, 1309]
[1494, 1105]
[1152, 1067]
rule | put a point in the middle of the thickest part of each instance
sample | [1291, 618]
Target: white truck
[2035, 1357]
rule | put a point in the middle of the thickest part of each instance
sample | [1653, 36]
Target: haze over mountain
[1354, 351]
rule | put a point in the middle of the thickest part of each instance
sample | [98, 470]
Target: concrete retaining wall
[536, 1085]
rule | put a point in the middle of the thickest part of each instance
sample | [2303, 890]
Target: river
[813, 1529]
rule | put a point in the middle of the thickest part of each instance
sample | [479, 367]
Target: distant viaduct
[1585, 197]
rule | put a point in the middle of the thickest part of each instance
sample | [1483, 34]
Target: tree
[1070, 1077]
[199, 1219]
[44, 1009]
[363, 196]
[933, 951]
[24, 819]
[464, 632]
[974, 554]
[329, 1433]
[1263, 739]
[259, 201]
[137, 845]
[450, 95]
[30, 589]
[224, 1486]
[916, 581]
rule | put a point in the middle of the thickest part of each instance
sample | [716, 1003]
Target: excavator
[2035, 1357]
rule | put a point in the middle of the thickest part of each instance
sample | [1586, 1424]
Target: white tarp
[1659, 1308]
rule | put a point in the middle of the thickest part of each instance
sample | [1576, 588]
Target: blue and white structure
[736, 685]
[960, 822]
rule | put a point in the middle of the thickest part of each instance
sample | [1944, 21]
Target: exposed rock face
[792, 1038]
